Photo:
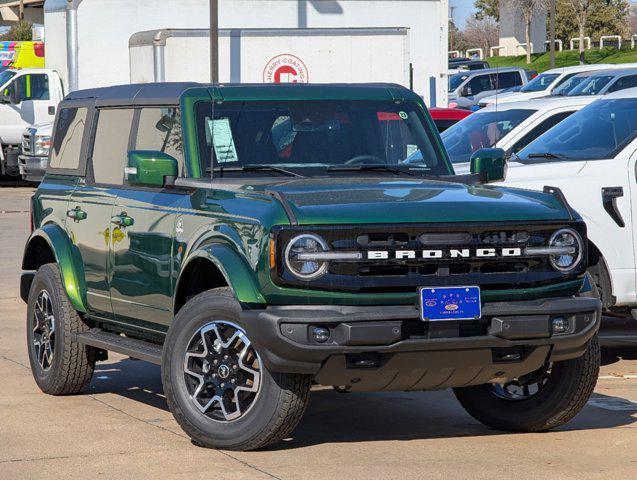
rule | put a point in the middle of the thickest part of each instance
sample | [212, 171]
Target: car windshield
[569, 85]
[598, 131]
[540, 83]
[481, 130]
[5, 76]
[590, 86]
[456, 80]
[318, 137]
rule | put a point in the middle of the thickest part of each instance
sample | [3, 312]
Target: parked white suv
[511, 126]
[544, 84]
[592, 157]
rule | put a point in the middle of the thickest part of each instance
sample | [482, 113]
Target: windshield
[5, 76]
[540, 83]
[481, 130]
[569, 84]
[456, 80]
[310, 137]
[590, 86]
[596, 132]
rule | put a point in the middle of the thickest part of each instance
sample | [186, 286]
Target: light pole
[214, 41]
[552, 33]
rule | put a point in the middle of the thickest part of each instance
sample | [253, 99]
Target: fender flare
[234, 268]
[68, 259]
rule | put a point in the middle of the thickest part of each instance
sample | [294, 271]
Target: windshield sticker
[403, 115]
[221, 133]
[411, 149]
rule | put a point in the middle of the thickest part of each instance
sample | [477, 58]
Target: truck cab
[27, 97]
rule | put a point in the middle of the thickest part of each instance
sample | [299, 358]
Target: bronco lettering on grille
[452, 253]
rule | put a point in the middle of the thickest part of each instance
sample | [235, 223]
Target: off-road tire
[277, 409]
[73, 363]
[601, 279]
[568, 388]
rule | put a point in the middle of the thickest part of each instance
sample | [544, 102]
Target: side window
[479, 84]
[540, 129]
[624, 82]
[110, 148]
[67, 138]
[508, 80]
[32, 86]
[160, 129]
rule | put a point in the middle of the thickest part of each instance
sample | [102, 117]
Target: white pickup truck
[27, 97]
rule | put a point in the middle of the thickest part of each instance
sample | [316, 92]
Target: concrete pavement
[121, 428]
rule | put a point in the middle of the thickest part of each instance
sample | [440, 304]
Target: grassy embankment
[541, 61]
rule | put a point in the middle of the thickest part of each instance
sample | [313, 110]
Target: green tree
[21, 31]
[487, 8]
[594, 17]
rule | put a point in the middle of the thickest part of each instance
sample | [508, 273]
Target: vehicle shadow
[612, 355]
[334, 417]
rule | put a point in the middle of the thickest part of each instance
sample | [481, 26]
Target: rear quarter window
[67, 139]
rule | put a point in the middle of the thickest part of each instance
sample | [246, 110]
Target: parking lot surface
[121, 427]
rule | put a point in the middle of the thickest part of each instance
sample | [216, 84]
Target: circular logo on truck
[285, 68]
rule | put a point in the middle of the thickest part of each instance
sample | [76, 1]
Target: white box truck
[91, 37]
[316, 55]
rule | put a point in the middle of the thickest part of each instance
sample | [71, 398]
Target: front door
[143, 233]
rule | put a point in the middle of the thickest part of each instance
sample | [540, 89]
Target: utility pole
[214, 41]
[552, 32]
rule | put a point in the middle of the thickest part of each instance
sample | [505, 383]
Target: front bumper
[390, 348]
[32, 168]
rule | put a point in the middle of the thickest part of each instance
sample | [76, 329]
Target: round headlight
[305, 269]
[571, 243]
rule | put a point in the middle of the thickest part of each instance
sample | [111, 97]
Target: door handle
[76, 214]
[609, 195]
[123, 220]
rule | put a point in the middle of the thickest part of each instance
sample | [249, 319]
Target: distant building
[512, 28]
[33, 11]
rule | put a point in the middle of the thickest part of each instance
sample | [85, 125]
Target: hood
[382, 200]
[540, 173]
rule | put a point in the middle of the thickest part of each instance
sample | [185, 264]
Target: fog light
[320, 334]
[560, 325]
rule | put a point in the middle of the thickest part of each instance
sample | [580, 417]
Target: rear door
[141, 254]
[95, 198]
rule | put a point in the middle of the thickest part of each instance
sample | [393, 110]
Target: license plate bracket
[450, 303]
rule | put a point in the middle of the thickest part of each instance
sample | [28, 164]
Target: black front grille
[414, 328]
[406, 275]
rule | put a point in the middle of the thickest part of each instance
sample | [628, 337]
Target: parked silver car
[467, 88]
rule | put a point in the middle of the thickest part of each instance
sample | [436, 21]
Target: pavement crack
[222, 452]
[58, 457]
[14, 361]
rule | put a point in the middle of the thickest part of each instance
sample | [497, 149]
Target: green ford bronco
[256, 239]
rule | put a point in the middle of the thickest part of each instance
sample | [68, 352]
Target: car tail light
[38, 49]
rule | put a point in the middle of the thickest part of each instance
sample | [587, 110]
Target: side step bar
[139, 349]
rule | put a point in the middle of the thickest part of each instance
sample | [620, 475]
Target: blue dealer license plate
[450, 303]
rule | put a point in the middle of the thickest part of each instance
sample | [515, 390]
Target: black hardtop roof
[168, 93]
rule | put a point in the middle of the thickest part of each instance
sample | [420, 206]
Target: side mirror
[151, 168]
[490, 164]
[465, 92]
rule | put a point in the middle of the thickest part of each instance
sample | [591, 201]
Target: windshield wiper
[548, 155]
[257, 168]
[369, 168]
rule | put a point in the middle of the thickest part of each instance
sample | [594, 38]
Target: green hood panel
[380, 200]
